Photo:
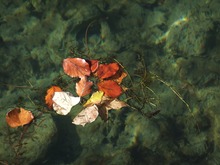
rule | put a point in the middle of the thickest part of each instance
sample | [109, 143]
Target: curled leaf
[108, 104]
[110, 88]
[107, 70]
[119, 76]
[49, 95]
[96, 98]
[83, 87]
[94, 64]
[76, 67]
[87, 115]
[63, 102]
[18, 117]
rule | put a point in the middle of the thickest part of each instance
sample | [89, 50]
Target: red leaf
[110, 88]
[49, 95]
[107, 70]
[83, 87]
[76, 67]
[18, 117]
[94, 64]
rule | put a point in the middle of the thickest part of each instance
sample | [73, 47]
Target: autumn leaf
[110, 88]
[107, 70]
[109, 104]
[76, 67]
[119, 76]
[63, 102]
[95, 98]
[83, 87]
[94, 64]
[87, 115]
[18, 117]
[50, 94]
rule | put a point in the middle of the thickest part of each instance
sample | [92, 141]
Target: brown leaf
[113, 104]
[50, 94]
[107, 70]
[76, 67]
[119, 76]
[94, 64]
[108, 104]
[83, 87]
[18, 117]
[110, 88]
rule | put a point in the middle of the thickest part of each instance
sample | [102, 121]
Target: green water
[171, 52]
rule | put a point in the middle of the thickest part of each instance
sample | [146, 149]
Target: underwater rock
[24, 145]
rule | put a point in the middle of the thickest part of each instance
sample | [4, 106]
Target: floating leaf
[94, 64]
[87, 115]
[96, 98]
[83, 87]
[18, 117]
[119, 76]
[76, 67]
[107, 70]
[49, 95]
[108, 104]
[110, 88]
[63, 102]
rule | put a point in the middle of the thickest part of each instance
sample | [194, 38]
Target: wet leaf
[109, 104]
[94, 64]
[96, 98]
[49, 95]
[119, 76]
[87, 115]
[83, 87]
[18, 117]
[76, 67]
[110, 88]
[63, 102]
[107, 70]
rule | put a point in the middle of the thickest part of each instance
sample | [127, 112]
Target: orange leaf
[18, 117]
[119, 76]
[76, 67]
[83, 87]
[49, 95]
[107, 70]
[110, 88]
[94, 64]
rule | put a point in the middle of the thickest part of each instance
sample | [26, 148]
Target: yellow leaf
[96, 98]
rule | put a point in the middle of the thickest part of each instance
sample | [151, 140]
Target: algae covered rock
[24, 145]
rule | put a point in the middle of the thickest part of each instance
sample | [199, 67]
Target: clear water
[170, 50]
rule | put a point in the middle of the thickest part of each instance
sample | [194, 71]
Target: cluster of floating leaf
[109, 88]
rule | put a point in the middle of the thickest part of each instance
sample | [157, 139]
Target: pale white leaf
[87, 115]
[63, 102]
